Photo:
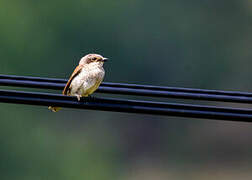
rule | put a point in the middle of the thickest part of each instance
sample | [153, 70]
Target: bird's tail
[54, 109]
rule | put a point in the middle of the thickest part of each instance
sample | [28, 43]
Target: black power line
[134, 86]
[133, 89]
[129, 106]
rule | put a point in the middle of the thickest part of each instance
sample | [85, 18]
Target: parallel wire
[134, 86]
[129, 106]
[133, 89]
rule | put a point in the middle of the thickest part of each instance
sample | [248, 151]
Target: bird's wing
[74, 74]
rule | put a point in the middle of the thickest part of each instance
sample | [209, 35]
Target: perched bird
[85, 79]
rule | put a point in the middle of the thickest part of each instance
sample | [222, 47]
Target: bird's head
[93, 59]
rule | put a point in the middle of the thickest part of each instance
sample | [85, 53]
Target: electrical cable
[133, 89]
[129, 106]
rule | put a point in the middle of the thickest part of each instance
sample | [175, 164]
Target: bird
[85, 79]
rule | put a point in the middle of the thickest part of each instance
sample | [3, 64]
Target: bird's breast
[87, 81]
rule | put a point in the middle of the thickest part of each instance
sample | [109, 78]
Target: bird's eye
[94, 58]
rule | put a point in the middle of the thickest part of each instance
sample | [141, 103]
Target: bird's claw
[78, 97]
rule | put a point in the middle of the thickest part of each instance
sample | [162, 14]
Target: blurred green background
[197, 43]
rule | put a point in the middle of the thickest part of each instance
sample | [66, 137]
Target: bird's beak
[104, 59]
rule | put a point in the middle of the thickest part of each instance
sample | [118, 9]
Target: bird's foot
[78, 97]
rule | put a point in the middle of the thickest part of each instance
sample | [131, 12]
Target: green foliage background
[200, 44]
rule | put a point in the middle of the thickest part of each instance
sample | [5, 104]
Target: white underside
[88, 80]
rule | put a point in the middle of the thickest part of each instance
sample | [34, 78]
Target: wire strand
[134, 86]
[133, 89]
[129, 106]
